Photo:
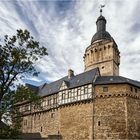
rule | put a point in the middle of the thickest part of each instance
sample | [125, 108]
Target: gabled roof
[33, 87]
[75, 81]
[66, 83]
[115, 80]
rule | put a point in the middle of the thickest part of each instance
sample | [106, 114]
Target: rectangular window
[38, 116]
[25, 122]
[34, 116]
[131, 88]
[86, 89]
[90, 90]
[82, 91]
[49, 102]
[44, 103]
[72, 94]
[99, 123]
[105, 89]
[136, 90]
[63, 96]
[68, 94]
[41, 129]
[78, 92]
[55, 100]
[52, 115]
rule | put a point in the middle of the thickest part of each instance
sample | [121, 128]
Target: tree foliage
[18, 55]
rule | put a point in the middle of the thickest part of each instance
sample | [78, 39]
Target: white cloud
[67, 33]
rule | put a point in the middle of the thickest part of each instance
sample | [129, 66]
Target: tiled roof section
[101, 35]
[66, 83]
[32, 87]
[115, 80]
[77, 80]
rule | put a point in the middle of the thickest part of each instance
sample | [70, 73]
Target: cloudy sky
[66, 29]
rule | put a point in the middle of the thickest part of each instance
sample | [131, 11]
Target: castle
[96, 104]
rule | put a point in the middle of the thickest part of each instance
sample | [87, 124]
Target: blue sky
[66, 29]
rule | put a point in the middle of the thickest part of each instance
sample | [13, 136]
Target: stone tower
[103, 51]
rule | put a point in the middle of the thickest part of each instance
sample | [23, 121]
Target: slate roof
[115, 80]
[33, 87]
[76, 81]
[83, 79]
[101, 30]
[101, 35]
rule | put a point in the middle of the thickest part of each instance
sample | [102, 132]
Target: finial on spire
[101, 7]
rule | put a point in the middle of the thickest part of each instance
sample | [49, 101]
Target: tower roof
[101, 18]
[101, 30]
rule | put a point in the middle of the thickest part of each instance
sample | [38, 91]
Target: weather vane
[101, 7]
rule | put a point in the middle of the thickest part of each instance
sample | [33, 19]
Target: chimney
[70, 73]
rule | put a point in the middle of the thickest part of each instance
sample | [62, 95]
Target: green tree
[18, 55]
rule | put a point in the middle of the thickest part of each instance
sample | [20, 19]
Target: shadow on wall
[37, 136]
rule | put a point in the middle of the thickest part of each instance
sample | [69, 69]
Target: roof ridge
[73, 76]
[130, 79]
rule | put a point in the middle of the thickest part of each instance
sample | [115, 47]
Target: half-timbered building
[96, 104]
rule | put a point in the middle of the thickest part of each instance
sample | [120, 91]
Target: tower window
[99, 123]
[105, 89]
[103, 67]
[41, 129]
[136, 90]
[52, 115]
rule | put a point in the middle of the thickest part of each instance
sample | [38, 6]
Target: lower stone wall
[133, 107]
[110, 118]
[45, 123]
[76, 121]
[27, 124]
[104, 118]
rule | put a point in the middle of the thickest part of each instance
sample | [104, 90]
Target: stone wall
[112, 114]
[105, 55]
[133, 115]
[27, 124]
[76, 121]
[116, 112]
[46, 123]
[110, 111]
[110, 118]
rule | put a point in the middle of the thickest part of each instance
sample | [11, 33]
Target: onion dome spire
[101, 28]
